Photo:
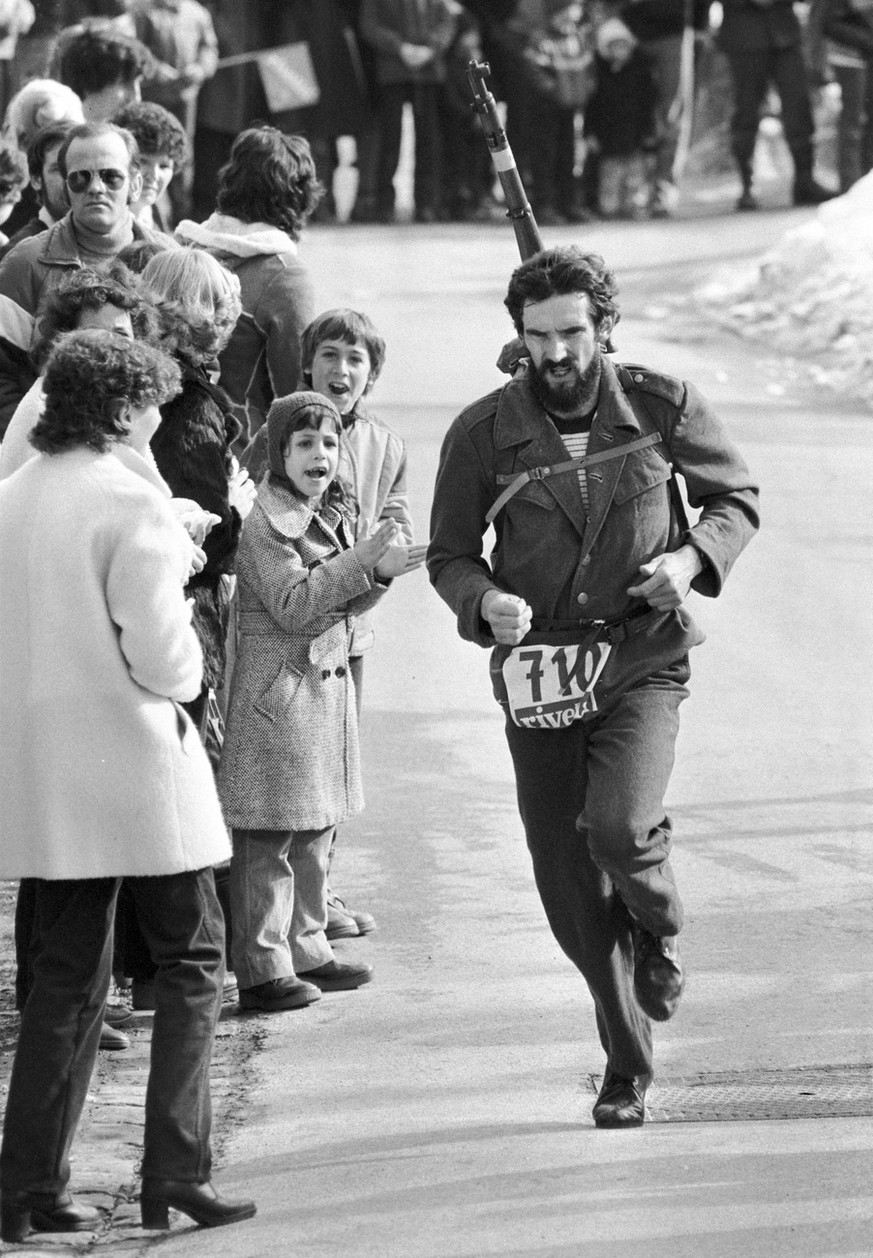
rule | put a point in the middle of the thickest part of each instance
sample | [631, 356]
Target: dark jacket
[621, 111]
[386, 24]
[234, 97]
[659, 19]
[842, 23]
[748, 27]
[192, 451]
[33, 227]
[343, 106]
[564, 563]
[262, 358]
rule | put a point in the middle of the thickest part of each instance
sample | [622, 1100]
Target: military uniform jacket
[290, 759]
[567, 564]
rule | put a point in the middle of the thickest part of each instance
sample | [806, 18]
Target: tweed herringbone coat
[290, 759]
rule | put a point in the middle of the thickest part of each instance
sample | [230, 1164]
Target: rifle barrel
[518, 210]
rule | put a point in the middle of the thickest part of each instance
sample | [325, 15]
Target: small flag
[288, 77]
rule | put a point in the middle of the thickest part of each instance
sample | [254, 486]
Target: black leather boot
[621, 1101]
[807, 190]
[22, 1213]
[747, 199]
[199, 1201]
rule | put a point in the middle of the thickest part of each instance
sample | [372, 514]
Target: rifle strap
[515, 483]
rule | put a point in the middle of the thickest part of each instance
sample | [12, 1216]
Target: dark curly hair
[270, 178]
[46, 138]
[156, 131]
[138, 254]
[91, 379]
[345, 325]
[90, 289]
[89, 58]
[557, 272]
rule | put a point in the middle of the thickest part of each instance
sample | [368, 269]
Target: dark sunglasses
[80, 180]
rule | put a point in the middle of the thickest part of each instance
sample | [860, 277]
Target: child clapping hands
[290, 766]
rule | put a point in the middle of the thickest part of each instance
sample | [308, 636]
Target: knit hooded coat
[291, 759]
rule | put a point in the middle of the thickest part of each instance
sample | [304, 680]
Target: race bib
[548, 687]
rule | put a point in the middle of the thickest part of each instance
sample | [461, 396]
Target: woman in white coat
[103, 776]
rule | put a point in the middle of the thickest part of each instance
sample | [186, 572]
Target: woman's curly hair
[156, 131]
[91, 379]
[138, 254]
[270, 178]
[198, 302]
[90, 289]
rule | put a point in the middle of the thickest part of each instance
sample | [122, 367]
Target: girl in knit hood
[290, 765]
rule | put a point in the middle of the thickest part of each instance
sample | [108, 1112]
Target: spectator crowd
[216, 511]
[190, 465]
[598, 95]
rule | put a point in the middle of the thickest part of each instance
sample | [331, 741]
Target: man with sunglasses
[100, 168]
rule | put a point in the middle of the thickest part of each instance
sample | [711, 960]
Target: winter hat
[38, 104]
[610, 31]
[305, 409]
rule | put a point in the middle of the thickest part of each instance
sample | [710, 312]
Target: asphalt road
[445, 1109]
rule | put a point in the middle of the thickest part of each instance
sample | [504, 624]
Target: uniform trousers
[752, 74]
[591, 798]
[428, 156]
[62, 1018]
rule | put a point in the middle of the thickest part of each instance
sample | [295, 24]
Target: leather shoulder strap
[515, 483]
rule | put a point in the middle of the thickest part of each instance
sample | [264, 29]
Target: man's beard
[577, 392]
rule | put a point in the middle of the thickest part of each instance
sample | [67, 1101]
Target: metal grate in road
[834, 1091]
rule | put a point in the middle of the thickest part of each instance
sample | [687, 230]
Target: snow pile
[812, 295]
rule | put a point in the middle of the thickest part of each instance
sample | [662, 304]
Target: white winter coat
[101, 772]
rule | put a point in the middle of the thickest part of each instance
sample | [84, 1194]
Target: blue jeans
[591, 800]
[278, 902]
[61, 1021]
